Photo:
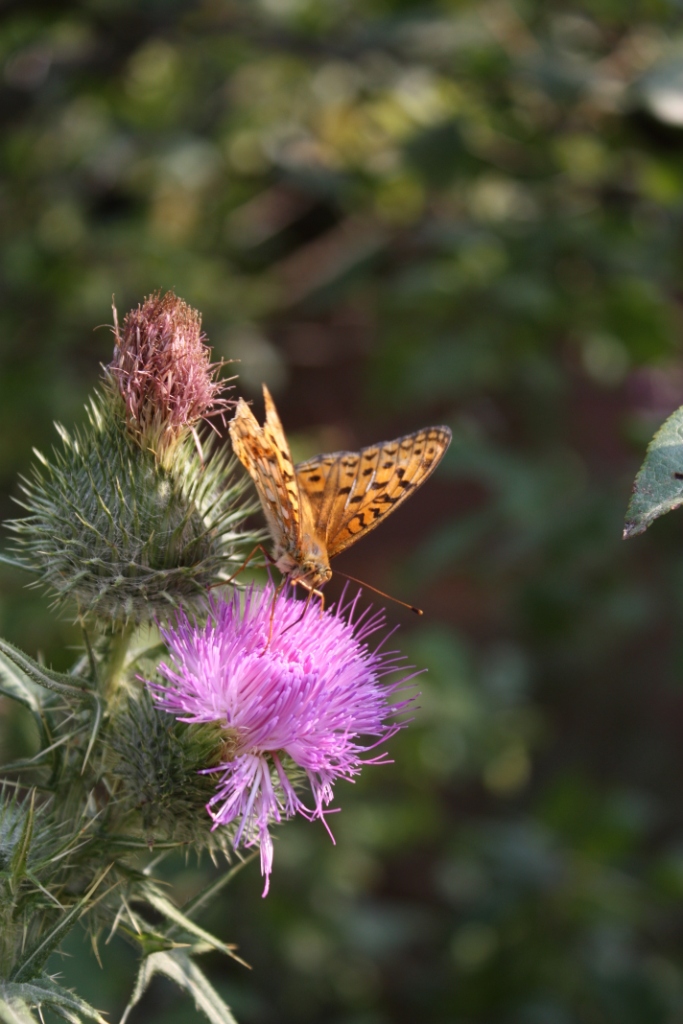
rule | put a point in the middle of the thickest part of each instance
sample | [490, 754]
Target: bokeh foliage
[400, 213]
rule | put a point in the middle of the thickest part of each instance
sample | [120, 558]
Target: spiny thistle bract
[158, 764]
[124, 536]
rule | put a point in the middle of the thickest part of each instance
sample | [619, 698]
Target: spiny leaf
[16, 686]
[14, 1010]
[150, 892]
[154, 942]
[66, 1014]
[659, 485]
[34, 959]
[44, 991]
[57, 681]
[178, 966]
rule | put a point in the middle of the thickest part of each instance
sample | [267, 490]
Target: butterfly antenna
[418, 611]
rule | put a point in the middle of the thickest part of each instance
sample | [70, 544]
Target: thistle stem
[117, 656]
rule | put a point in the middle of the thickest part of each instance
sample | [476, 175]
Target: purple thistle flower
[282, 682]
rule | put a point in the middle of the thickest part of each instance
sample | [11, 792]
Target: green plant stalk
[117, 659]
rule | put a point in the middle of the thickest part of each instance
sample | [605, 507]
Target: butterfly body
[306, 560]
[318, 508]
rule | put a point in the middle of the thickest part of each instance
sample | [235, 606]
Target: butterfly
[320, 507]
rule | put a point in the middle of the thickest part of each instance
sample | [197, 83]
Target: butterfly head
[309, 563]
[314, 562]
[313, 572]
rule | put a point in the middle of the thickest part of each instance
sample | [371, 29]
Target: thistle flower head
[163, 370]
[124, 535]
[298, 694]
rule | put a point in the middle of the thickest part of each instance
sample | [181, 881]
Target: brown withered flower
[163, 370]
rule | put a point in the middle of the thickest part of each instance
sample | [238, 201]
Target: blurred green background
[398, 214]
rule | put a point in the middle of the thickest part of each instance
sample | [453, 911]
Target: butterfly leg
[311, 592]
[318, 593]
[245, 563]
[306, 604]
[277, 593]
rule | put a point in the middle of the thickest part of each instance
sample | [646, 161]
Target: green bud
[123, 534]
[158, 763]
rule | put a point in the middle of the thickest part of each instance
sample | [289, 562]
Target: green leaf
[152, 942]
[149, 891]
[34, 959]
[15, 683]
[13, 1010]
[57, 681]
[659, 485]
[16, 686]
[178, 966]
[44, 992]
[66, 1014]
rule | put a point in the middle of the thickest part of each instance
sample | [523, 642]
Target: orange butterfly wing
[351, 492]
[264, 452]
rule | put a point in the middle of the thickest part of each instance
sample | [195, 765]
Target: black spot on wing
[357, 524]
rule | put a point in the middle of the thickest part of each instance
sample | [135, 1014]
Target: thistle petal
[303, 695]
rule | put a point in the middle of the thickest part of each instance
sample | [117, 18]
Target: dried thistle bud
[163, 370]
